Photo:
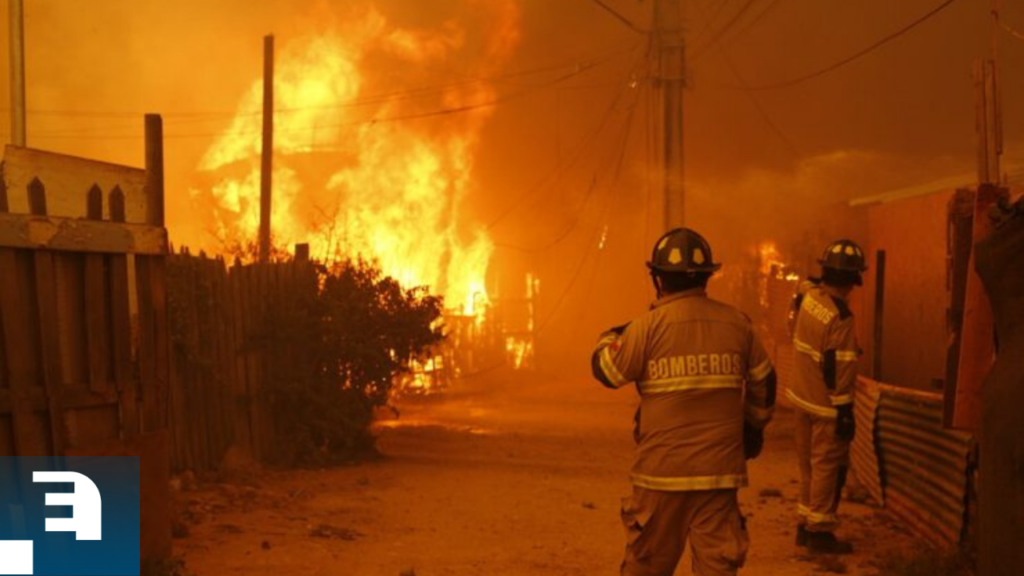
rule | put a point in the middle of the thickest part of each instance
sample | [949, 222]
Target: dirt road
[504, 478]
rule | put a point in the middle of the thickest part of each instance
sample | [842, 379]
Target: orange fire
[354, 172]
[772, 264]
[519, 346]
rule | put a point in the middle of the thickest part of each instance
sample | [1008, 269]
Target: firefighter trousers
[824, 460]
[658, 525]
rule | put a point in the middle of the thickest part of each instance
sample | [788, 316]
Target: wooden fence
[222, 358]
[82, 248]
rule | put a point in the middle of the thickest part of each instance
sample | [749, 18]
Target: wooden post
[154, 344]
[154, 170]
[959, 224]
[876, 371]
[121, 329]
[19, 329]
[267, 154]
[17, 62]
[3, 190]
[302, 252]
[977, 343]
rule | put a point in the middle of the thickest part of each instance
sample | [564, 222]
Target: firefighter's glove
[753, 441]
[845, 424]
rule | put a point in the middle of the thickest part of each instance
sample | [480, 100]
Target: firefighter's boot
[827, 543]
[801, 535]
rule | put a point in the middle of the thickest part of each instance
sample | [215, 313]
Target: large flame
[771, 267]
[351, 178]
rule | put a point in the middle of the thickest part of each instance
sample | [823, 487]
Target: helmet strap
[657, 284]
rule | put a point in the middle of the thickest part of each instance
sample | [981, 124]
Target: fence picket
[229, 316]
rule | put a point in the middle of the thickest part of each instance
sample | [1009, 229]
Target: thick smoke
[761, 165]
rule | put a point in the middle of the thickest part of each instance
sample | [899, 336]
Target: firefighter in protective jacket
[707, 389]
[825, 372]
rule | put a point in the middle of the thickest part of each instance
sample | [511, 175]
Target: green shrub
[337, 352]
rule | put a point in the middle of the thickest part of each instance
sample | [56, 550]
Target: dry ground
[505, 477]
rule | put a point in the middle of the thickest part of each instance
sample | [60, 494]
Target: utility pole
[995, 119]
[267, 158]
[17, 45]
[154, 126]
[988, 107]
[671, 47]
[1000, 506]
[976, 346]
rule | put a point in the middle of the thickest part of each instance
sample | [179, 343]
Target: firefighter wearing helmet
[825, 372]
[707, 389]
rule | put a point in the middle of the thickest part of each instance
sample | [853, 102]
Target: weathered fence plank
[243, 400]
[121, 344]
[66, 338]
[224, 359]
[96, 328]
[46, 297]
[67, 176]
[30, 432]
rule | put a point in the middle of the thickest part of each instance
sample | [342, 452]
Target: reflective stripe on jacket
[825, 350]
[701, 372]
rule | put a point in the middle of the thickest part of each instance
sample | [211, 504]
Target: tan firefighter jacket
[825, 367]
[700, 371]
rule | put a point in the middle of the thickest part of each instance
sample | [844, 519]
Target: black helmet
[682, 250]
[843, 255]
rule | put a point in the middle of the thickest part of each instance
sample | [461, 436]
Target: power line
[601, 229]
[558, 239]
[555, 174]
[719, 5]
[757, 104]
[753, 97]
[874, 46]
[618, 16]
[210, 115]
[374, 120]
[725, 29]
[757, 19]
[1012, 31]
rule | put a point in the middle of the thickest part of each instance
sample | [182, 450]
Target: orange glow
[519, 346]
[428, 375]
[772, 267]
[351, 184]
[520, 352]
[772, 264]
[770, 257]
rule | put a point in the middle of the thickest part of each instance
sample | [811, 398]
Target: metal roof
[1014, 175]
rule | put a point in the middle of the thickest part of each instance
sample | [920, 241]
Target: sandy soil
[506, 477]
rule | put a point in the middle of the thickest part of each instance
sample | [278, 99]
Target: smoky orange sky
[560, 180]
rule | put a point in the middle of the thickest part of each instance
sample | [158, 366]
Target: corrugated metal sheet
[923, 466]
[1014, 172]
[863, 451]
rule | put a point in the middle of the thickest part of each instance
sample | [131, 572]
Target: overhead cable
[856, 55]
[618, 16]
